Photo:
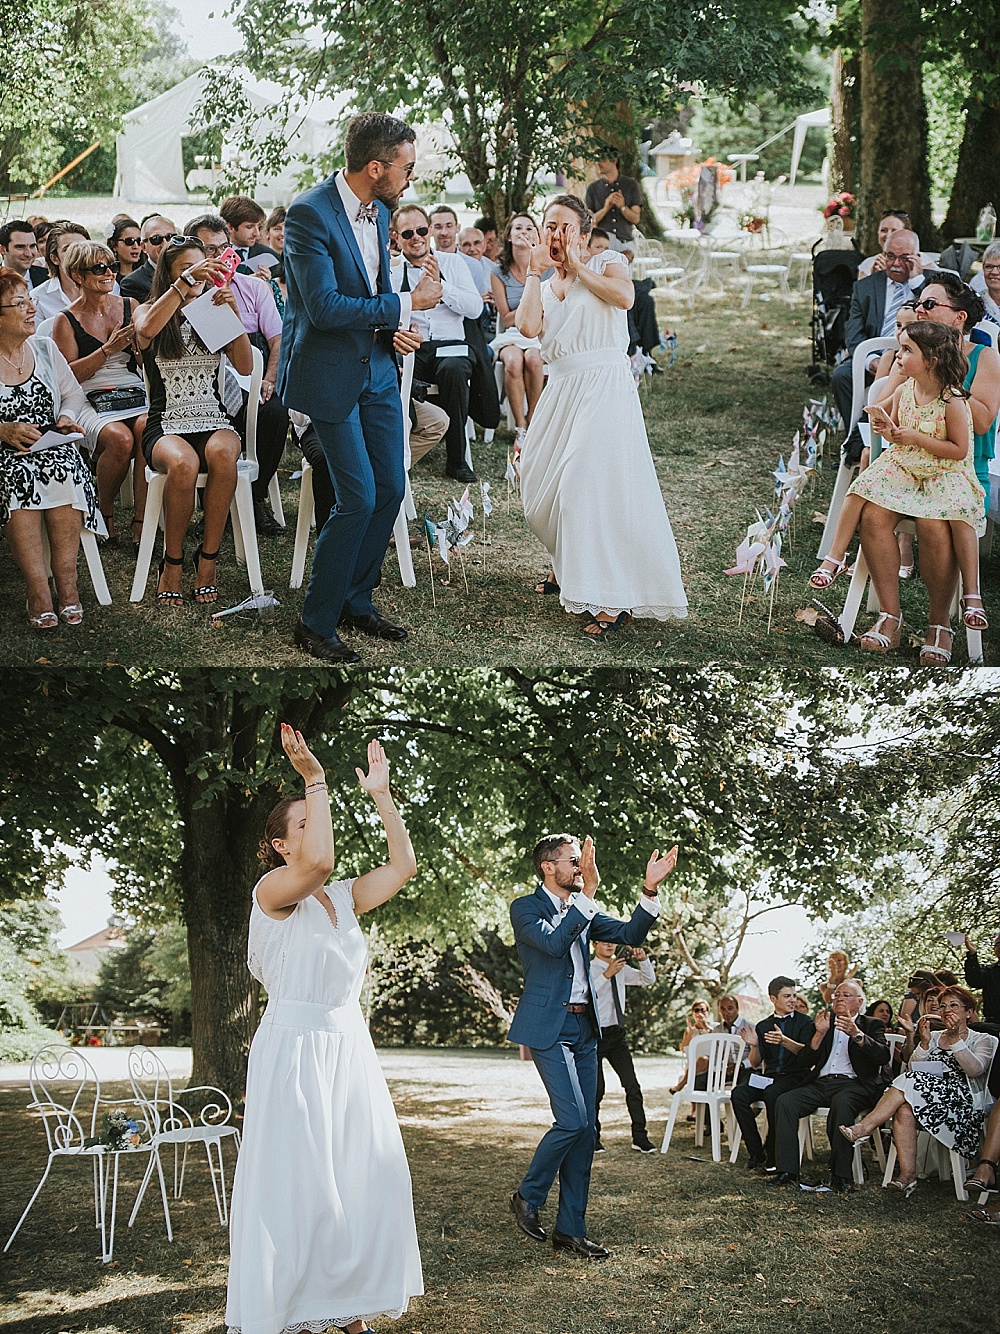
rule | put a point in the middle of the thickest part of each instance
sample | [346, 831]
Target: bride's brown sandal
[876, 640]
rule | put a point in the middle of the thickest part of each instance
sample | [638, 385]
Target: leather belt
[578, 1009]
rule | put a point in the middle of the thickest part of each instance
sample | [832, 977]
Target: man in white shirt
[612, 969]
[731, 1021]
[444, 358]
[847, 1053]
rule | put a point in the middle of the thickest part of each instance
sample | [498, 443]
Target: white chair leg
[242, 514]
[716, 1126]
[735, 1138]
[142, 1190]
[890, 1164]
[403, 553]
[34, 1197]
[163, 1195]
[126, 492]
[151, 523]
[274, 497]
[857, 1166]
[803, 1127]
[879, 1148]
[845, 476]
[699, 1124]
[302, 525]
[671, 1118]
[856, 591]
[93, 556]
[107, 1258]
[409, 508]
[957, 1164]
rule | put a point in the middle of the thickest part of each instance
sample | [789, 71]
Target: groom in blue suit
[342, 322]
[557, 1019]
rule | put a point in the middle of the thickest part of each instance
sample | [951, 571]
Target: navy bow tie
[367, 213]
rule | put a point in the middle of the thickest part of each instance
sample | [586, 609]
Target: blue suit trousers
[364, 454]
[569, 1072]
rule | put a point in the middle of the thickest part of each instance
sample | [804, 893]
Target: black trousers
[612, 1047]
[846, 1098]
[452, 376]
[743, 1095]
[642, 324]
[324, 496]
[272, 432]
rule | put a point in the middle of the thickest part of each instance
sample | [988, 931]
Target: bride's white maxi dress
[322, 1229]
[590, 491]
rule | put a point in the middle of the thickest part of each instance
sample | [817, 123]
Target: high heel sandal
[849, 1133]
[932, 648]
[205, 594]
[881, 642]
[170, 595]
[112, 541]
[974, 617]
[976, 1183]
[905, 1188]
[137, 522]
[822, 578]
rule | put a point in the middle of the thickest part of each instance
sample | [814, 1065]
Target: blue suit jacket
[543, 942]
[331, 323]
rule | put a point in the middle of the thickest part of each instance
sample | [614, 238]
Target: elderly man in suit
[874, 304]
[844, 1057]
[557, 1020]
[338, 366]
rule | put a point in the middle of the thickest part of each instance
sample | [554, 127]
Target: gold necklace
[10, 362]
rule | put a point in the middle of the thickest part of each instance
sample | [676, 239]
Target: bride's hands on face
[303, 760]
[539, 259]
[574, 250]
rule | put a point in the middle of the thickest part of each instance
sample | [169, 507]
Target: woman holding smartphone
[322, 1232]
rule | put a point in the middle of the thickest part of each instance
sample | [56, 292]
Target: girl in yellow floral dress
[928, 473]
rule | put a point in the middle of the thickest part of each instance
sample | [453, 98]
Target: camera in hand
[625, 952]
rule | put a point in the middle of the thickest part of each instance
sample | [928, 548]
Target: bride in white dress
[322, 1233]
[589, 487]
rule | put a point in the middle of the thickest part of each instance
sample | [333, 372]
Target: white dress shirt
[580, 993]
[742, 1028]
[839, 1060]
[366, 235]
[459, 299]
[604, 987]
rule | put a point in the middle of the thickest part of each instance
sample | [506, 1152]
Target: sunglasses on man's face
[413, 231]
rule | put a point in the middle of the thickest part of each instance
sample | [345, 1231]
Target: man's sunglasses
[413, 231]
[931, 303]
[175, 239]
[899, 213]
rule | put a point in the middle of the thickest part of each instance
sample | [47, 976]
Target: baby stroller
[834, 274]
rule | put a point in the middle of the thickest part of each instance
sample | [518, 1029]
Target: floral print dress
[947, 1105]
[52, 477]
[909, 480]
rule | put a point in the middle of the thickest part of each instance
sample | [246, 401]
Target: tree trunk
[977, 178]
[844, 81]
[894, 172]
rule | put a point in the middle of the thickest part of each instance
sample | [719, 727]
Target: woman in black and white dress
[188, 429]
[52, 486]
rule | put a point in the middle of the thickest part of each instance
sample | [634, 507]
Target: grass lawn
[695, 1245]
[717, 422]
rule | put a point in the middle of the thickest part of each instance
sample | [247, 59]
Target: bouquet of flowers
[840, 206]
[119, 1132]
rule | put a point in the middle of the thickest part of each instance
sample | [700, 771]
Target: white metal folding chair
[70, 1119]
[241, 509]
[178, 1125]
[724, 1052]
[845, 473]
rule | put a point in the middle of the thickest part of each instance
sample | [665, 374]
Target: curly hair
[964, 998]
[960, 295]
[275, 826]
[940, 346]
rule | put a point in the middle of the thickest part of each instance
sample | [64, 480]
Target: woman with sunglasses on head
[52, 486]
[696, 1022]
[95, 335]
[188, 430]
[945, 299]
[125, 241]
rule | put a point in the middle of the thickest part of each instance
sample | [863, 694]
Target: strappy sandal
[976, 1183]
[112, 541]
[984, 1216]
[878, 641]
[137, 522]
[974, 617]
[905, 1188]
[822, 577]
[205, 594]
[170, 595]
[71, 614]
[931, 653]
[597, 629]
[907, 571]
[547, 585]
[45, 620]
[850, 1134]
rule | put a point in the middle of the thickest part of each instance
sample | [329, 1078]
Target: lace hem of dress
[656, 613]
[330, 1322]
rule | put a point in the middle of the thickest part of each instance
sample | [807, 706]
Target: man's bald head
[902, 242]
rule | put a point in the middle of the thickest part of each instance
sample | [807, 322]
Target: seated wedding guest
[444, 358]
[609, 977]
[984, 977]
[259, 313]
[125, 241]
[986, 1175]
[523, 372]
[54, 485]
[801, 1004]
[947, 1099]
[919, 982]
[56, 294]
[844, 1060]
[986, 284]
[274, 230]
[188, 429]
[444, 233]
[731, 1021]
[491, 237]
[696, 1022]
[781, 1040]
[470, 244]
[838, 969]
[155, 231]
[95, 335]
[245, 220]
[882, 1010]
[39, 271]
[19, 250]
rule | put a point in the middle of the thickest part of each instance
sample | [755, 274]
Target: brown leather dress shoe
[526, 1217]
[582, 1246]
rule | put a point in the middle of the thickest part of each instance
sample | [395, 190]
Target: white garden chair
[241, 509]
[807, 1147]
[949, 1163]
[66, 1094]
[724, 1053]
[208, 1121]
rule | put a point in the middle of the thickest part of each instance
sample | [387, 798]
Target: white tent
[150, 165]
[820, 118]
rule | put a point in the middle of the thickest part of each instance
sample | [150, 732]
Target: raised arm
[612, 284]
[383, 882]
[280, 890]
